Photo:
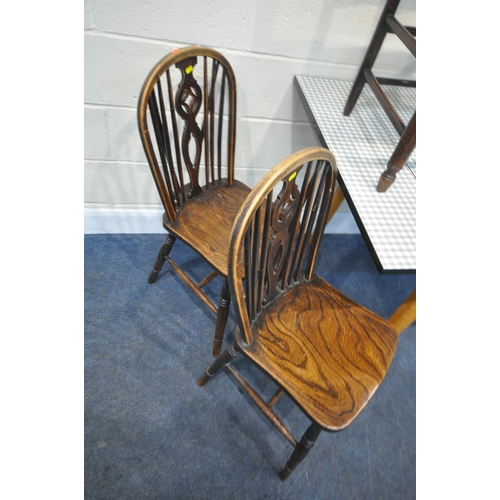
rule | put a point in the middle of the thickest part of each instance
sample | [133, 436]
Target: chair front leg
[164, 251]
[226, 357]
[301, 450]
[222, 314]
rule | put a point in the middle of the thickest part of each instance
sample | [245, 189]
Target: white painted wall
[267, 43]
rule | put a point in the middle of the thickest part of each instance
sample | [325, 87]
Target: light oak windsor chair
[324, 350]
[189, 138]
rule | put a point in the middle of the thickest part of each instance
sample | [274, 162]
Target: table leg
[405, 314]
[338, 198]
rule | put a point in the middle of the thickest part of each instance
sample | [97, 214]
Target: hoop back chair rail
[326, 352]
[388, 23]
[189, 137]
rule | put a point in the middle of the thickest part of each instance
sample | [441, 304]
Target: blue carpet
[152, 433]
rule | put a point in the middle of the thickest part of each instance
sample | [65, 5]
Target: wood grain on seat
[205, 223]
[329, 353]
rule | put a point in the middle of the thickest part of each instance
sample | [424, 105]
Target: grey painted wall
[266, 42]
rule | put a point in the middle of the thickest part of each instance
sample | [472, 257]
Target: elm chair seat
[205, 223]
[327, 352]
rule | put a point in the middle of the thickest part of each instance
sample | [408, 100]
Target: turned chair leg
[301, 450]
[222, 314]
[226, 357]
[162, 254]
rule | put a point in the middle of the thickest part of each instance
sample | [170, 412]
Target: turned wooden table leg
[405, 314]
[403, 150]
[301, 450]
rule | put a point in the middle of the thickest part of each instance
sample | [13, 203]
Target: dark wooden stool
[388, 24]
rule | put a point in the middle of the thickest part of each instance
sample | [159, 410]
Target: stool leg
[164, 251]
[377, 40]
[400, 156]
[301, 450]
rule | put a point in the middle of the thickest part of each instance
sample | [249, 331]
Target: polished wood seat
[186, 115]
[205, 223]
[328, 353]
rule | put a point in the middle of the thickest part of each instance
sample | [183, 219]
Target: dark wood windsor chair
[327, 352]
[189, 138]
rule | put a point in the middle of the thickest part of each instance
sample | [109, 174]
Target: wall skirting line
[124, 221]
